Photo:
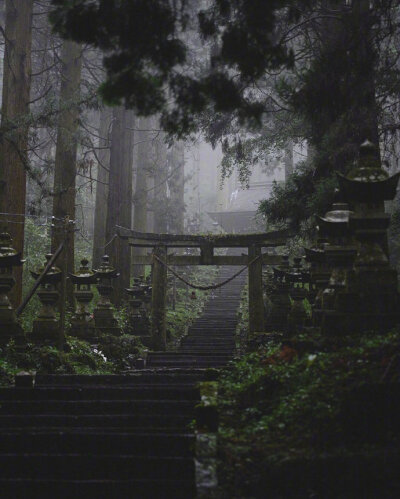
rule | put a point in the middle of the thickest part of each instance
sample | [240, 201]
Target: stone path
[123, 436]
[210, 340]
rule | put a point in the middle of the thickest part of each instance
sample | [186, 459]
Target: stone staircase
[99, 436]
[120, 436]
[210, 342]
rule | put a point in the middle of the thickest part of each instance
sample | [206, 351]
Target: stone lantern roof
[83, 275]
[368, 182]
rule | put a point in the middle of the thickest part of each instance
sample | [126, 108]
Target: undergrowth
[299, 399]
[111, 355]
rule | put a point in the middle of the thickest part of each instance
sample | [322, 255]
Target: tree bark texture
[15, 108]
[100, 213]
[119, 207]
[143, 139]
[366, 59]
[347, 39]
[66, 152]
[158, 300]
[176, 184]
[160, 201]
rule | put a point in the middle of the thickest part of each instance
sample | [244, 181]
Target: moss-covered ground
[312, 417]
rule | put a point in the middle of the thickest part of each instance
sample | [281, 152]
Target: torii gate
[161, 243]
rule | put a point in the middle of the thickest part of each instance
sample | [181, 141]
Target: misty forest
[199, 249]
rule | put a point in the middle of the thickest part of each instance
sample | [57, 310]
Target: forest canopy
[253, 76]
[149, 45]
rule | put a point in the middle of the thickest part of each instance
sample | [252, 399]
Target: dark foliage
[312, 417]
[146, 54]
[301, 197]
[335, 96]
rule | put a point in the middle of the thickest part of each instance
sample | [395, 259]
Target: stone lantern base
[280, 308]
[45, 331]
[84, 330]
[105, 322]
[11, 330]
[370, 301]
[339, 323]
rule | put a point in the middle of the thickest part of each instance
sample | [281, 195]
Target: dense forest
[200, 196]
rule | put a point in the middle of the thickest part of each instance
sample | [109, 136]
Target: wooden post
[256, 302]
[159, 292]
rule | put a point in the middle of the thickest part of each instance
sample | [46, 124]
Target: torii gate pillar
[159, 293]
[256, 302]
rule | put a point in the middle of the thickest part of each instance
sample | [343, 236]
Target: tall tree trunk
[3, 23]
[160, 201]
[66, 151]
[119, 208]
[141, 198]
[349, 60]
[100, 212]
[176, 184]
[366, 59]
[15, 107]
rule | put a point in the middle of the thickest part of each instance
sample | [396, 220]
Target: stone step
[185, 358]
[227, 341]
[218, 319]
[88, 466]
[229, 301]
[124, 422]
[210, 332]
[219, 310]
[140, 377]
[144, 392]
[224, 342]
[184, 488]
[168, 356]
[100, 442]
[212, 328]
[224, 322]
[204, 343]
[194, 362]
[195, 349]
[218, 314]
[223, 339]
[209, 347]
[93, 407]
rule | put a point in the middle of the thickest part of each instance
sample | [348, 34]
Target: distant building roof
[235, 222]
[249, 199]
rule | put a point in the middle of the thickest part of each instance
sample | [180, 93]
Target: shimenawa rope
[206, 288]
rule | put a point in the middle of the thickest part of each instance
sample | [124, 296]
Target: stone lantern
[319, 277]
[136, 294]
[105, 322]
[82, 321]
[280, 301]
[340, 252]
[297, 317]
[147, 298]
[370, 300]
[138, 321]
[9, 258]
[46, 325]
